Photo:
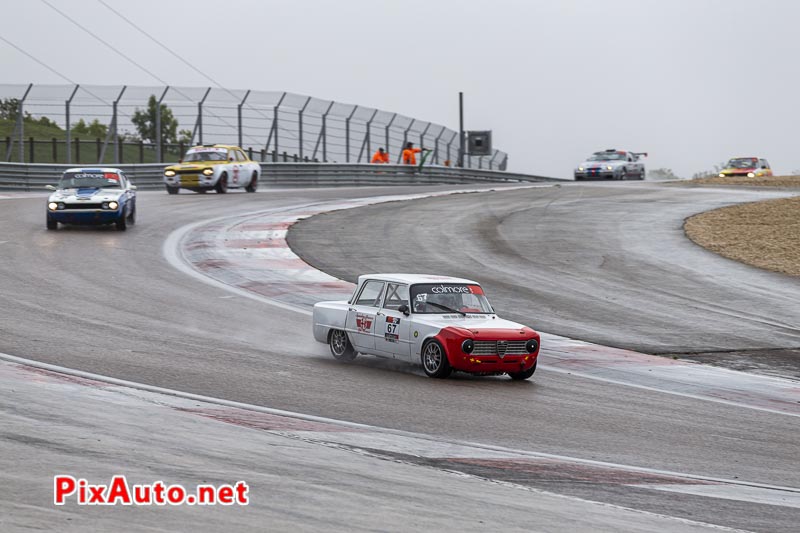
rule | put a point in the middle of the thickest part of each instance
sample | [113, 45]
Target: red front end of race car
[490, 351]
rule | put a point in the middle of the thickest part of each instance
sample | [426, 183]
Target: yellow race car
[213, 166]
[746, 166]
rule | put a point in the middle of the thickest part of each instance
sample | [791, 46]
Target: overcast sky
[693, 82]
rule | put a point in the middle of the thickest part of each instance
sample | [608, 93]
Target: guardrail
[28, 177]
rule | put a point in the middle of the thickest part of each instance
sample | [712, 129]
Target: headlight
[751, 175]
[113, 205]
[721, 175]
[531, 345]
[52, 206]
[609, 167]
[580, 168]
[468, 345]
[208, 172]
[169, 173]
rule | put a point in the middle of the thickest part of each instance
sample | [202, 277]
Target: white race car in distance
[444, 323]
[612, 164]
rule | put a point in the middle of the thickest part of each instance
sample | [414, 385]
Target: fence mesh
[270, 125]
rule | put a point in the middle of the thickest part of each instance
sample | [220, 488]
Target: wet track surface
[592, 258]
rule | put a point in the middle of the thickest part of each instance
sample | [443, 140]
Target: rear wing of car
[637, 155]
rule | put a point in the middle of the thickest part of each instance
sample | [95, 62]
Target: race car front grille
[187, 171]
[492, 348]
[86, 205]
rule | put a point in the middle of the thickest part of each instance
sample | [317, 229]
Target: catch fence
[271, 126]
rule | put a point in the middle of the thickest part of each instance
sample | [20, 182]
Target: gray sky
[693, 82]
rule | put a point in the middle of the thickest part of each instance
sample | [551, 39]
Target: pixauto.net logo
[120, 492]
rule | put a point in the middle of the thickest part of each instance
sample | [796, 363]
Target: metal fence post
[422, 135]
[159, 155]
[239, 116]
[273, 130]
[19, 126]
[405, 140]
[112, 130]
[389, 125]
[300, 127]
[69, 126]
[436, 147]
[322, 137]
[347, 135]
[368, 138]
[491, 161]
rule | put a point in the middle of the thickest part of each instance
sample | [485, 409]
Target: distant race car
[213, 166]
[612, 164]
[444, 323]
[746, 166]
[92, 196]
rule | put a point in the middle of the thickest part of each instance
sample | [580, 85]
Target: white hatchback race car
[612, 164]
[444, 323]
[92, 196]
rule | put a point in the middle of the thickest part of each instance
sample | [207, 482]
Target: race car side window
[396, 295]
[242, 156]
[370, 294]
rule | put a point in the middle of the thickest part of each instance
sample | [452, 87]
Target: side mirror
[133, 187]
[230, 159]
[50, 187]
[403, 309]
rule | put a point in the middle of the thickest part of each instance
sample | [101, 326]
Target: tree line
[144, 120]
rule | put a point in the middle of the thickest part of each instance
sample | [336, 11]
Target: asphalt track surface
[109, 303]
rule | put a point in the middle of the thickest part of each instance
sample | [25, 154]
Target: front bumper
[85, 217]
[595, 173]
[191, 181]
[492, 363]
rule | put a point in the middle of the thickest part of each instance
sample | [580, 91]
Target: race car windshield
[607, 156]
[205, 156]
[443, 298]
[745, 162]
[87, 180]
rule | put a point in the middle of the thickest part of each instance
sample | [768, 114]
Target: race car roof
[415, 278]
[94, 170]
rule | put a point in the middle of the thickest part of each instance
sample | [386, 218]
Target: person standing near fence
[381, 156]
[410, 154]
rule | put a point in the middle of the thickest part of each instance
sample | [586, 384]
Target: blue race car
[92, 196]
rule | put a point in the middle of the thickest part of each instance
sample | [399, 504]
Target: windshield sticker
[364, 322]
[455, 289]
[85, 175]
[111, 176]
[199, 150]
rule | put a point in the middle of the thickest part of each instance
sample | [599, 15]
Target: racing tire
[172, 190]
[253, 185]
[132, 217]
[434, 360]
[642, 174]
[222, 185]
[624, 175]
[51, 224]
[525, 374]
[122, 223]
[341, 349]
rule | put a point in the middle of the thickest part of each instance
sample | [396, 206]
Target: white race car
[92, 196]
[444, 323]
[612, 164]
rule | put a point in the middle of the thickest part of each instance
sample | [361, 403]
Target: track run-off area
[204, 308]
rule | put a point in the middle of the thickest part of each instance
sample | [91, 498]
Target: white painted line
[732, 403]
[737, 493]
